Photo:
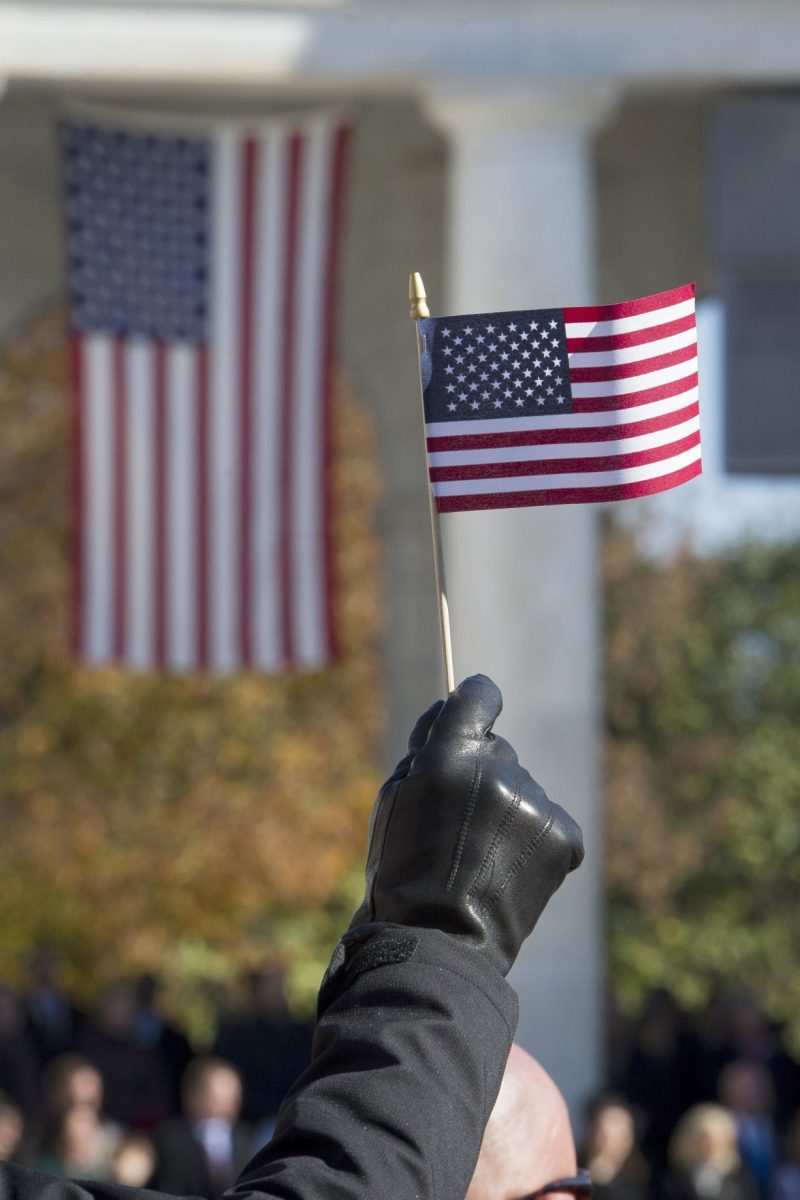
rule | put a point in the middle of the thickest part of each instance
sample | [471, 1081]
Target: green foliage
[191, 826]
[703, 772]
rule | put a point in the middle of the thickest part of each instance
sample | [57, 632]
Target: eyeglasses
[578, 1185]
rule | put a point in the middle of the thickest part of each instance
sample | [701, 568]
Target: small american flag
[561, 406]
[201, 287]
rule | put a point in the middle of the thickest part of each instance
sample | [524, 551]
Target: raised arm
[415, 1017]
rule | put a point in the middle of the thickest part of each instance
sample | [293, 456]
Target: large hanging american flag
[561, 406]
[202, 266]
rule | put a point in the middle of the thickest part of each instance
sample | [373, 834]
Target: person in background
[704, 1158]
[611, 1152]
[137, 1090]
[54, 1022]
[134, 1161]
[747, 1090]
[84, 1144]
[71, 1081]
[658, 1080]
[752, 1036]
[74, 1146]
[709, 1046]
[202, 1152]
[786, 1182]
[12, 1129]
[268, 1047]
[153, 1033]
[19, 1061]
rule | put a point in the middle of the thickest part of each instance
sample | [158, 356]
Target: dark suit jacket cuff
[378, 944]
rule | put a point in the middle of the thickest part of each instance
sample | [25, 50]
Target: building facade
[518, 155]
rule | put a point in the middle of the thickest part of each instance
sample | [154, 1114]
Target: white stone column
[523, 583]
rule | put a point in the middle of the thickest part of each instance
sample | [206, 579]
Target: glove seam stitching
[518, 864]
[477, 774]
[379, 849]
[508, 818]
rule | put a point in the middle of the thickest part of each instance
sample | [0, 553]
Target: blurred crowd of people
[118, 1094]
[706, 1108]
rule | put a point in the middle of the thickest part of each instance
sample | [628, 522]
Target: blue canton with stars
[507, 364]
[137, 231]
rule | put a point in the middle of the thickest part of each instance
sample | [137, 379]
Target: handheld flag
[561, 406]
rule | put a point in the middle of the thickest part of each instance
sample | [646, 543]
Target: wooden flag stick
[419, 308]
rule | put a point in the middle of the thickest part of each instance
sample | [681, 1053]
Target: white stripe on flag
[579, 479]
[181, 502]
[629, 354]
[138, 636]
[224, 409]
[307, 499]
[98, 497]
[636, 383]
[621, 416]
[645, 320]
[550, 451]
[267, 308]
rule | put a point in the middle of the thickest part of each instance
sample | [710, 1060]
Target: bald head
[528, 1140]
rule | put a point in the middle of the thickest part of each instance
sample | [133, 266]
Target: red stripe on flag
[246, 347]
[554, 437]
[340, 149]
[624, 341]
[665, 391]
[629, 308]
[160, 515]
[120, 484]
[295, 149]
[76, 488]
[203, 563]
[565, 466]
[630, 370]
[575, 495]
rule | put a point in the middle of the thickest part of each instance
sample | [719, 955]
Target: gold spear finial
[417, 297]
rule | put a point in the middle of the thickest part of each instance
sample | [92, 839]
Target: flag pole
[419, 308]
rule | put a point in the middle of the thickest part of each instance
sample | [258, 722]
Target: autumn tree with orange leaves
[191, 826]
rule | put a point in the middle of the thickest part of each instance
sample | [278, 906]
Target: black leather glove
[461, 838]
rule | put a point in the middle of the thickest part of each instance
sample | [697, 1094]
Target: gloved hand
[461, 838]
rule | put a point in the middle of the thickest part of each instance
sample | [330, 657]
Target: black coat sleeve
[409, 1051]
[406, 1064]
